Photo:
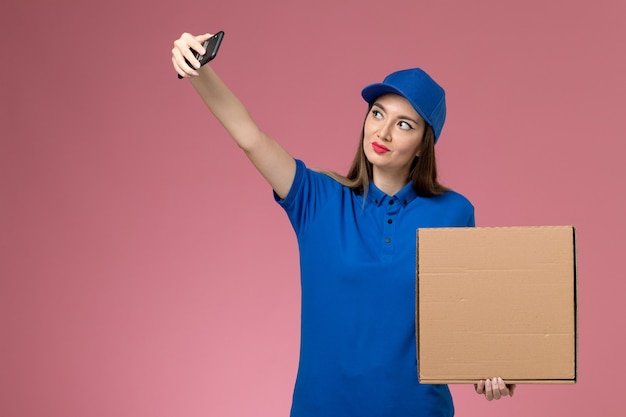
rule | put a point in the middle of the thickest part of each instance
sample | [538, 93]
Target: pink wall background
[145, 269]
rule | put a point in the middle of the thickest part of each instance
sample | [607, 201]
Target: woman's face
[393, 133]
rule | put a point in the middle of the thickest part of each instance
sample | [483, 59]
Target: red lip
[378, 148]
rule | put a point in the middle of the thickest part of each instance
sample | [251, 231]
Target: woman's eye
[376, 114]
[405, 126]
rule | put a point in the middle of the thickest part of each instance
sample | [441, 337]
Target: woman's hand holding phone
[191, 52]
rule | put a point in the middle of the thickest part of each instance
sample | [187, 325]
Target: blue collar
[404, 196]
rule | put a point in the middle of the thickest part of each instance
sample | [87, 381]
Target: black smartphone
[211, 46]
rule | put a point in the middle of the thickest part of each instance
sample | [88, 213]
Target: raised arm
[270, 159]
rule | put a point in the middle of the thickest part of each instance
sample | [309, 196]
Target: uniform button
[391, 202]
[389, 221]
[387, 240]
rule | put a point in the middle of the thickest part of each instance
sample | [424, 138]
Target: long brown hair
[423, 172]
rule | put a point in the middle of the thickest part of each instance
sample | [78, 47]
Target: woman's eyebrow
[376, 104]
[400, 117]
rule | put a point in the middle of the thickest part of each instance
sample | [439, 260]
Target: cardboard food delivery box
[496, 301]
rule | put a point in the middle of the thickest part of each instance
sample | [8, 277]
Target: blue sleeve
[309, 193]
[471, 221]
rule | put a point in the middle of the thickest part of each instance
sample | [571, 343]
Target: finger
[180, 65]
[480, 387]
[504, 389]
[488, 390]
[495, 387]
[185, 56]
[184, 48]
[183, 69]
[202, 38]
[184, 42]
[180, 71]
[195, 43]
[511, 389]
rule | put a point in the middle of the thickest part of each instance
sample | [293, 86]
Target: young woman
[356, 236]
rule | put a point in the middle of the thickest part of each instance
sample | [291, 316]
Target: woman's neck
[389, 184]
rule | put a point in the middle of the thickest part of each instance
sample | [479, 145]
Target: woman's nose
[384, 132]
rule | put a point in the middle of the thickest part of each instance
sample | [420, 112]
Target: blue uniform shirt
[357, 261]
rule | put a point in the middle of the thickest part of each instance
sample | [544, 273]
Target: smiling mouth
[378, 148]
